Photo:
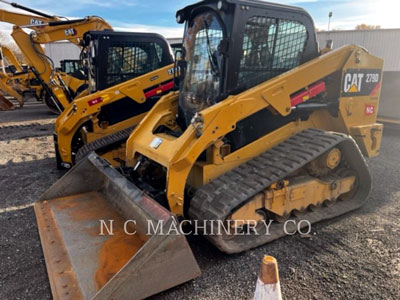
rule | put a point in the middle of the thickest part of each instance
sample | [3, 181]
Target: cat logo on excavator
[36, 22]
[70, 32]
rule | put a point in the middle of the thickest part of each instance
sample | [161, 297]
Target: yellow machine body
[179, 155]
[182, 158]
[85, 109]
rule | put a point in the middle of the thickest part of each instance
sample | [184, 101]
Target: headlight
[179, 19]
[221, 5]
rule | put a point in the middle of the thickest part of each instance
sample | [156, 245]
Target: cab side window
[271, 47]
[132, 60]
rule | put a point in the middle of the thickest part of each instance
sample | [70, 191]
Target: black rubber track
[103, 142]
[218, 199]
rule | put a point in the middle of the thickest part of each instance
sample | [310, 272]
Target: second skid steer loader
[264, 129]
[127, 73]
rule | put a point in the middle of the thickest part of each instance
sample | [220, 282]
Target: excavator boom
[47, 29]
[35, 20]
[20, 19]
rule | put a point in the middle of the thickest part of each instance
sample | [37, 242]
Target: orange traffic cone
[268, 286]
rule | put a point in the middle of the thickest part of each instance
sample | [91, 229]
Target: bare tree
[366, 27]
[6, 41]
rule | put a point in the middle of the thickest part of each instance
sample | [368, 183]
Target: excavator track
[103, 142]
[218, 199]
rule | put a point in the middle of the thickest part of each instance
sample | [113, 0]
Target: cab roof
[252, 3]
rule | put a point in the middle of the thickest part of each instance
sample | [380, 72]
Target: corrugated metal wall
[62, 50]
[382, 42]
[174, 40]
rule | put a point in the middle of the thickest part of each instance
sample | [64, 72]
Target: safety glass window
[132, 60]
[201, 84]
[270, 47]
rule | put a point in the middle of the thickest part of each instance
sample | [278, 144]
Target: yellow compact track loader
[265, 129]
[127, 73]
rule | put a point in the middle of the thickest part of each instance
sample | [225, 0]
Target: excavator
[7, 85]
[25, 77]
[16, 80]
[59, 88]
[266, 128]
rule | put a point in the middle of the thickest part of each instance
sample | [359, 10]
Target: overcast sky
[159, 15]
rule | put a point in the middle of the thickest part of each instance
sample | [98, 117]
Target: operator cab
[230, 46]
[113, 57]
[70, 66]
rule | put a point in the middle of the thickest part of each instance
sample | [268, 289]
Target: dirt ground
[356, 256]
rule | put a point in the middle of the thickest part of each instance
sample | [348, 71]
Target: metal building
[382, 43]
[62, 50]
[174, 40]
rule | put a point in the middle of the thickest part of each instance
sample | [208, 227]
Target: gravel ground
[356, 256]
